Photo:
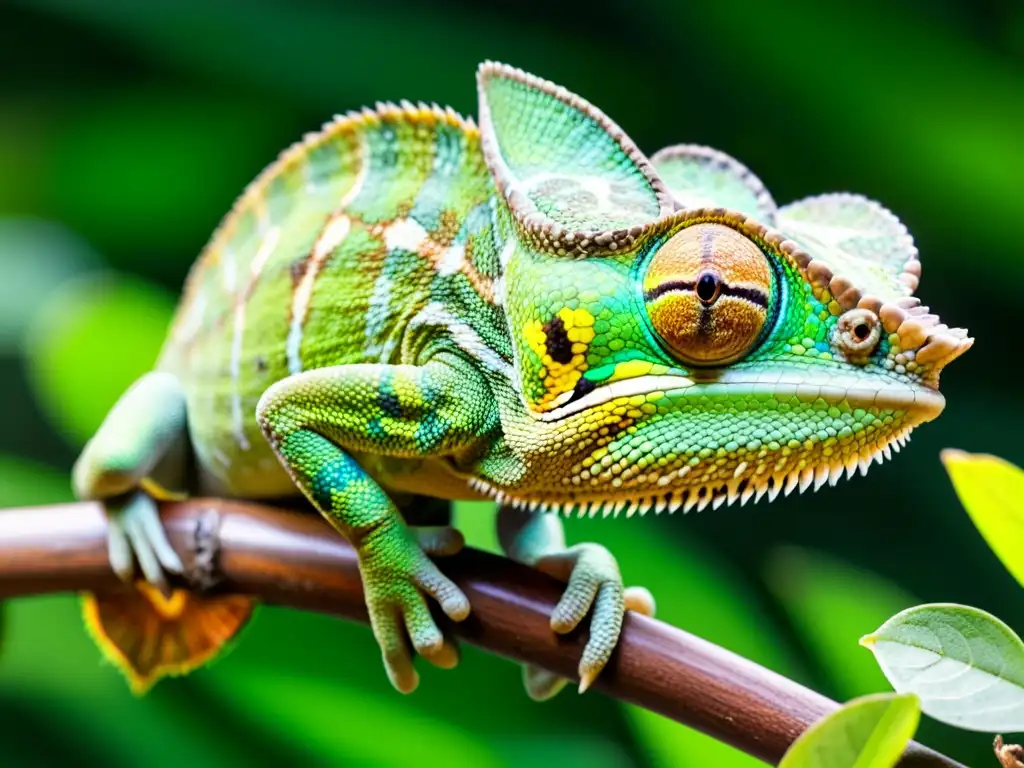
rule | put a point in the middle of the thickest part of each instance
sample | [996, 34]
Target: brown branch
[293, 559]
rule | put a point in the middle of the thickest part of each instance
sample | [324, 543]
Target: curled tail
[149, 636]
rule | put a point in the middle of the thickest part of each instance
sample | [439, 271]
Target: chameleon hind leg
[594, 586]
[315, 421]
[151, 630]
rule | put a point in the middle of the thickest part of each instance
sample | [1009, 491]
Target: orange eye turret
[707, 292]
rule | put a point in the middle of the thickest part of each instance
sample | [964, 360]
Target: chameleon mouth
[700, 496]
[687, 487]
[921, 403]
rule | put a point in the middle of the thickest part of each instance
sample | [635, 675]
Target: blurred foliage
[74, 379]
[809, 586]
[126, 131]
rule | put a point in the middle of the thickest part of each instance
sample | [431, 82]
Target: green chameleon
[406, 309]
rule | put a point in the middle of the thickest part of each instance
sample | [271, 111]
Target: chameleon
[409, 307]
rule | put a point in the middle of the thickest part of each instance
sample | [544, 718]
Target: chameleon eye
[857, 333]
[706, 291]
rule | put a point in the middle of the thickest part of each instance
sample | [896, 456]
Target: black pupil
[861, 332]
[707, 286]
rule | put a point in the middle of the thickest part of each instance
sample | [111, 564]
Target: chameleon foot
[594, 584]
[134, 532]
[396, 575]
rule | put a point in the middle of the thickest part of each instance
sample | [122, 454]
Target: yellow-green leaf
[869, 732]
[992, 491]
[965, 665]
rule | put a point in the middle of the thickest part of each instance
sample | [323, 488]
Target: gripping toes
[134, 532]
[594, 586]
[395, 584]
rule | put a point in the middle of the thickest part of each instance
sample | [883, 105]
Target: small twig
[1008, 755]
[294, 559]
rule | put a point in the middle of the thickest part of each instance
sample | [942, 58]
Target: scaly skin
[535, 312]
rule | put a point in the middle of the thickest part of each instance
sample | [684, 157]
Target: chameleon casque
[406, 307]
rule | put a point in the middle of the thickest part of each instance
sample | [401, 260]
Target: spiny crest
[698, 497]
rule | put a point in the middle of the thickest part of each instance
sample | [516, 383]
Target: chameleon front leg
[315, 421]
[153, 630]
[116, 467]
[594, 582]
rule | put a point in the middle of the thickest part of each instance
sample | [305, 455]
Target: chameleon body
[405, 305]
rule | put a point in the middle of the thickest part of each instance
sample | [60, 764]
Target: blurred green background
[126, 131]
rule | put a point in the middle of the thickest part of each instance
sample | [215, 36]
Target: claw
[393, 647]
[148, 562]
[453, 601]
[594, 586]
[587, 677]
[119, 550]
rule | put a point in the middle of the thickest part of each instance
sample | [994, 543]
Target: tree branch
[297, 560]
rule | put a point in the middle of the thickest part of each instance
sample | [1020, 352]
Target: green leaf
[869, 732]
[992, 491]
[88, 342]
[830, 603]
[966, 665]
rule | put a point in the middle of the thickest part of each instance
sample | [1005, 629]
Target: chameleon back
[324, 260]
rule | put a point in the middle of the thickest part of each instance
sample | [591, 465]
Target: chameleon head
[723, 350]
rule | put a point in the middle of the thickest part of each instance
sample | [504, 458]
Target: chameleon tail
[148, 636]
